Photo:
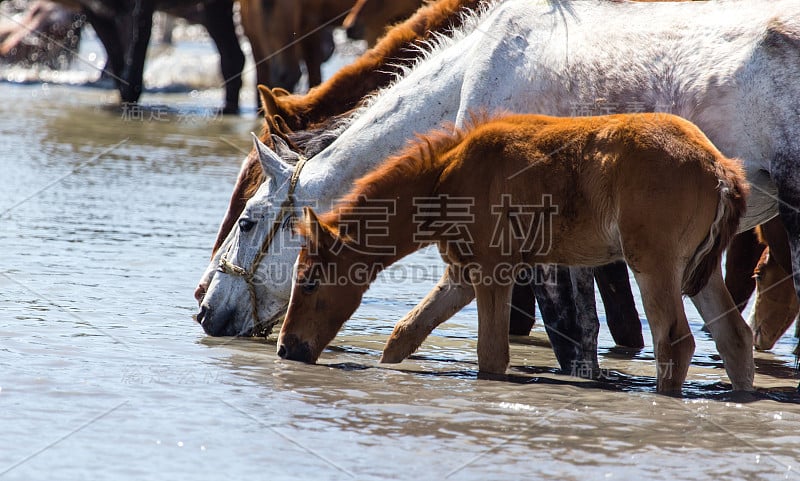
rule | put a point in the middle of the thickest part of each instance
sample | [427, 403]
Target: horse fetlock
[400, 345]
[494, 365]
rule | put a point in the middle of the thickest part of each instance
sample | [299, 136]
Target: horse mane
[425, 50]
[422, 159]
[392, 57]
[314, 140]
[430, 18]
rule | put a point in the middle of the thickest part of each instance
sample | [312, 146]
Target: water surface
[106, 225]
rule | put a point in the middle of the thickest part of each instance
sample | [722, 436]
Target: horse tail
[733, 190]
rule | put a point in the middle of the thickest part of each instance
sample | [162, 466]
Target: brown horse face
[776, 304]
[321, 302]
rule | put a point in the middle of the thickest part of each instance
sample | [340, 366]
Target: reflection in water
[100, 360]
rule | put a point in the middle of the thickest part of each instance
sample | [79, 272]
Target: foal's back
[613, 183]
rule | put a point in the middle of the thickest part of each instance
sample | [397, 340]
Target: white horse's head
[251, 274]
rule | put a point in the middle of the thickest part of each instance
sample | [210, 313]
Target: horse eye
[246, 224]
[310, 286]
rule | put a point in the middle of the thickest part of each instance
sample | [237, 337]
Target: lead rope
[228, 267]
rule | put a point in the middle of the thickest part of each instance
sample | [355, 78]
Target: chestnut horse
[283, 33]
[647, 188]
[776, 305]
[759, 260]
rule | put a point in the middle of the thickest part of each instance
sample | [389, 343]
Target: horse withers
[647, 188]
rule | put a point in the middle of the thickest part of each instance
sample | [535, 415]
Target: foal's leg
[673, 343]
[494, 305]
[733, 337]
[448, 297]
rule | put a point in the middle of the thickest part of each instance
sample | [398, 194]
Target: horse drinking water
[728, 67]
[647, 188]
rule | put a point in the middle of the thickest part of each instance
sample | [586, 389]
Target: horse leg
[219, 23]
[107, 33]
[621, 316]
[132, 73]
[448, 297]
[733, 337]
[313, 57]
[494, 305]
[786, 180]
[566, 302]
[251, 12]
[523, 304]
[673, 343]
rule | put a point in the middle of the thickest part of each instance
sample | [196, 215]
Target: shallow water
[107, 223]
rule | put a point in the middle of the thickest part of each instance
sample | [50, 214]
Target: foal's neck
[382, 220]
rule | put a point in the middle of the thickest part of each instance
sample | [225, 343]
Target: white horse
[729, 67]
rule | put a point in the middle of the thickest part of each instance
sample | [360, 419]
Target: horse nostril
[293, 349]
[201, 315]
[200, 293]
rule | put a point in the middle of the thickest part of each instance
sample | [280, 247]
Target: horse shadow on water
[608, 380]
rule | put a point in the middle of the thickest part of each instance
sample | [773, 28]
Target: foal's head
[328, 287]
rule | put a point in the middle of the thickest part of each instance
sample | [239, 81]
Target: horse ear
[281, 124]
[279, 92]
[268, 102]
[271, 163]
[317, 232]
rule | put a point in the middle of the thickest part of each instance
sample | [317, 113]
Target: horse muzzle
[217, 323]
[291, 348]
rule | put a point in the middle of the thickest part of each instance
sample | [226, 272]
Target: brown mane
[376, 68]
[424, 155]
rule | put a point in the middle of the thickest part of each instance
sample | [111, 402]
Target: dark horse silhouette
[124, 26]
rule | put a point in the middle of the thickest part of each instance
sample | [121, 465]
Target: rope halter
[249, 275]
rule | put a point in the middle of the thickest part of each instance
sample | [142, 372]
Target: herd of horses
[725, 73]
[647, 189]
[284, 35]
